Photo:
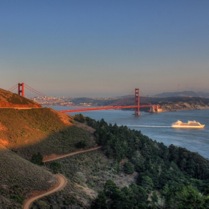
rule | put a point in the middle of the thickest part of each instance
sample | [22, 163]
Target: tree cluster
[168, 177]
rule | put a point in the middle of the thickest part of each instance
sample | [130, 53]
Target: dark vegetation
[168, 177]
[37, 159]
[135, 172]
[18, 178]
[31, 134]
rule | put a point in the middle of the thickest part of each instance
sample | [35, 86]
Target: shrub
[80, 118]
[55, 167]
[81, 144]
[128, 168]
[37, 159]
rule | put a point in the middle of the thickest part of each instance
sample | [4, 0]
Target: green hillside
[25, 133]
[132, 171]
[129, 171]
[18, 178]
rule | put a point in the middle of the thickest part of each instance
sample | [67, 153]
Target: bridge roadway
[105, 108]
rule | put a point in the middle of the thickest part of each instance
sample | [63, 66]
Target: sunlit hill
[104, 165]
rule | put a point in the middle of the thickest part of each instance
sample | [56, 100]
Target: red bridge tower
[21, 89]
[137, 102]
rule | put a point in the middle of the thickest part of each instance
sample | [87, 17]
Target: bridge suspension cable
[125, 104]
[13, 88]
[21, 89]
[34, 91]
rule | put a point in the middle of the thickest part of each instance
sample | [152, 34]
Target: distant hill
[196, 98]
[129, 165]
[93, 101]
[183, 94]
[168, 101]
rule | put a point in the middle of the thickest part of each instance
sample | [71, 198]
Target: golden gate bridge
[136, 106]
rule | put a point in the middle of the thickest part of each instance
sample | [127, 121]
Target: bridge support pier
[21, 89]
[137, 102]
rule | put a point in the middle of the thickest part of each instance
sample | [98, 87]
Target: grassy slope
[8, 99]
[19, 177]
[28, 132]
[87, 173]
[24, 127]
[43, 130]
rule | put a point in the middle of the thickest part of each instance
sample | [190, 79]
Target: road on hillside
[61, 183]
[61, 180]
[57, 157]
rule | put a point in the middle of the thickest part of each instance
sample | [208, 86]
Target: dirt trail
[61, 183]
[61, 180]
[54, 157]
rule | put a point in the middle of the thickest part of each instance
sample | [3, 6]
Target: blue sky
[105, 47]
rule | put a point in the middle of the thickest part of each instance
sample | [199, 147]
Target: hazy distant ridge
[183, 94]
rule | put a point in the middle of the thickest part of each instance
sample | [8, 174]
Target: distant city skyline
[105, 48]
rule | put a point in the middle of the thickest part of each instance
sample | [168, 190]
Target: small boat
[189, 124]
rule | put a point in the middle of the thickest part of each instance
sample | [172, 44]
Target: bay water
[157, 126]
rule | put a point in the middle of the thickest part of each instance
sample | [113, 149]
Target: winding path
[61, 180]
[61, 183]
[51, 158]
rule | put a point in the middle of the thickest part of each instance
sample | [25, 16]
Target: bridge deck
[105, 108]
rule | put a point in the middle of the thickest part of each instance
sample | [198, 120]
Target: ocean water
[157, 126]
